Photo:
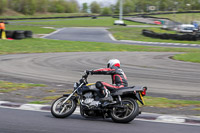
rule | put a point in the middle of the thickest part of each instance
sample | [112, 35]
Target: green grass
[6, 87]
[38, 102]
[196, 109]
[135, 33]
[52, 97]
[34, 29]
[77, 22]
[39, 15]
[38, 45]
[181, 17]
[169, 103]
[191, 57]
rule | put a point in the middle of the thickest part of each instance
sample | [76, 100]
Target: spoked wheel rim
[60, 108]
[126, 111]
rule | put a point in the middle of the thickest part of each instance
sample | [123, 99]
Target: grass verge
[38, 45]
[6, 87]
[169, 103]
[181, 17]
[34, 29]
[39, 15]
[135, 33]
[75, 22]
[191, 57]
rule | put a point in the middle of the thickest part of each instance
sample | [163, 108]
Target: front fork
[71, 94]
[68, 97]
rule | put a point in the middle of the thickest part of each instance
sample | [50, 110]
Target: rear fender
[139, 97]
[136, 96]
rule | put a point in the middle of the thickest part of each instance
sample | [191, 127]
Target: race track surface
[153, 69]
[19, 121]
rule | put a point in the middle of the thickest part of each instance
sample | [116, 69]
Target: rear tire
[60, 110]
[128, 113]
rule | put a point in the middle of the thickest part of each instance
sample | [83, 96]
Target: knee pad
[99, 85]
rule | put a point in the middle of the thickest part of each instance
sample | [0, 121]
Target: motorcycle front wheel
[62, 110]
[126, 112]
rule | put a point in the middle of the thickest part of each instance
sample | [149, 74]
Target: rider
[119, 79]
[2, 29]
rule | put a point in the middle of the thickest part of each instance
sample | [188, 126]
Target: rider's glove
[88, 72]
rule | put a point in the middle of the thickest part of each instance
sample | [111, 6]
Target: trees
[71, 6]
[85, 8]
[106, 11]
[29, 7]
[95, 7]
[42, 5]
[3, 5]
[129, 6]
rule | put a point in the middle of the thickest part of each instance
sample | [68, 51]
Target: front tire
[126, 114]
[60, 110]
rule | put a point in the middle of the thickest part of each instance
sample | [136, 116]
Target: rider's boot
[108, 97]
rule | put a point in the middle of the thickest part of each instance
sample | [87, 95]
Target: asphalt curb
[166, 118]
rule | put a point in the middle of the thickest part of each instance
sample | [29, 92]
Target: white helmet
[113, 62]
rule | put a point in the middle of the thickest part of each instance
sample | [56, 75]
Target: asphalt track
[20, 121]
[153, 69]
[100, 34]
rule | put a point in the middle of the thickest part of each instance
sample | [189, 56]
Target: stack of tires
[184, 37]
[19, 34]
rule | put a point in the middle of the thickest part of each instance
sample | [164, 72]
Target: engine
[89, 101]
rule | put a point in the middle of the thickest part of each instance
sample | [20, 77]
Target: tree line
[140, 6]
[30, 7]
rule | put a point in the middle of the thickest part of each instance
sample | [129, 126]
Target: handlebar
[84, 78]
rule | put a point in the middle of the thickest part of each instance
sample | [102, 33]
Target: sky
[102, 2]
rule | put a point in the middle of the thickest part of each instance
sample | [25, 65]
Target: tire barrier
[94, 17]
[183, 37]
[9, 33]
[28, 34]
[19, 34]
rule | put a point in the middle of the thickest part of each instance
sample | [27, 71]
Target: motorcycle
[123, 109]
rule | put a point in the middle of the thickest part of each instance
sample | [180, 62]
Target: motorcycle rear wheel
[126, 114]
[60, 110]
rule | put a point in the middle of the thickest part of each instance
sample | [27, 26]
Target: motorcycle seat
[127, 89]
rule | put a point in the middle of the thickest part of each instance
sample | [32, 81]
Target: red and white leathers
[119, 79]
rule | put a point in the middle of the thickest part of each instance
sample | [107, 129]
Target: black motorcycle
[123, 109]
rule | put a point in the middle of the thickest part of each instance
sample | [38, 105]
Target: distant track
[98, 34]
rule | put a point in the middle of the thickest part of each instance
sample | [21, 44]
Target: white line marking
[156, 121]
[185, 44]
[53, 33]
[193, 44]
[112, 37]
